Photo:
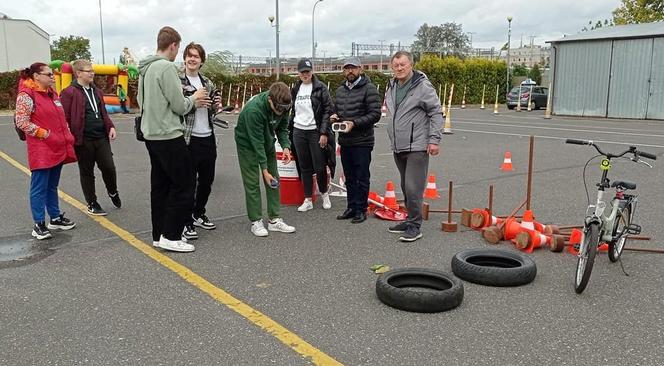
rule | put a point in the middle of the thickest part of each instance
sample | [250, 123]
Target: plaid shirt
[190, 118]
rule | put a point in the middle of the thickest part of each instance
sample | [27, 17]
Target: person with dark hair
[311, 132]
[415, 133]
[40, 116]
[262, 120]
[92, 129]
[358, 108]
[162, 106]
[199, 136]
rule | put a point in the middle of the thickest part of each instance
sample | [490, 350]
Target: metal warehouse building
[615, 72]
[22, 43]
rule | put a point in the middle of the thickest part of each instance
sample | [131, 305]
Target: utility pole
[381, 54]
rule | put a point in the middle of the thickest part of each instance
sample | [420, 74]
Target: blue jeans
[44, 193]
[356, 161]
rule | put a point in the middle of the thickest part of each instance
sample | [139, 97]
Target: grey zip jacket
[418, 120]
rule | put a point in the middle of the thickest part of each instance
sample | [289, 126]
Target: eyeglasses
[50, 74]
[90, 71]
[281, 107]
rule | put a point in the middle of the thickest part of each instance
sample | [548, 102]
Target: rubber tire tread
[403, 298]
[494, 276]
[593, 233]
[627, 209]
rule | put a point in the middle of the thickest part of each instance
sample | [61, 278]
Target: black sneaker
[115, 198]
[189, 232]
[95, 209]
[203, 222]
[412, 233]
[61, 223]
[398, 228]
[40, 231]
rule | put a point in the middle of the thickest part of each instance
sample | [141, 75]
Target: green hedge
[8, 89]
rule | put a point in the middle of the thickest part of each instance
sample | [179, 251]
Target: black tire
[492, 267]
[510, 107]
[584, 266]
[395, 288]
[622, 221]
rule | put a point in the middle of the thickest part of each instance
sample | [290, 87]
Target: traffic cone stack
[507, 162]
[383, 110]
[390, 197]
[431, 192]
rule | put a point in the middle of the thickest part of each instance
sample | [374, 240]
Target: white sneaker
[155, 244]
[326, 201]
[175, 245]
[279, 225]
[306, 205]
[258, 229]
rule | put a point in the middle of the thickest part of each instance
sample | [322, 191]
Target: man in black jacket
[358, 107]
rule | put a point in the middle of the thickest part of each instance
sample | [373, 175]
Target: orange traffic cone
[529, 240]
[507, 162]
[603, 247]
[527, 220]
[383, 110]
[390, 197]
[431, 192]
[574, 239]
[480, 219]
[512, 228]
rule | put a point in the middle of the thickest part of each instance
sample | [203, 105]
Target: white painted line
[565, 129]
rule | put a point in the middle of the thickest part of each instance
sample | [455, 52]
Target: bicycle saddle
[623, 184]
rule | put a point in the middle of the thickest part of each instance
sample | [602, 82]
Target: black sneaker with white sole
[189, 232]
[203, 222]
[398, 228]
[40, 231]
[115, 198]
[61, 223]
[95, 209]
[412, 233]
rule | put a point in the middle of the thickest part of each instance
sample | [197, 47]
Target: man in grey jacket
[415, 133]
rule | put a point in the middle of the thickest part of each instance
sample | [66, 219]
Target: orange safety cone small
[383, 110]
[512, 228]
[507, 162]
[480, 219]
[390, 197]
[574, 241]
[529, 240]
[527, 220]
[603, 247]
[431, 192]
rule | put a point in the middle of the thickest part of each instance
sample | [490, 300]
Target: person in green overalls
[263, 120]
[122, 96]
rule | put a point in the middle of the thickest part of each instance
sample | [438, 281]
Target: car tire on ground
[511, 107]
[420, 290]
[492, 267]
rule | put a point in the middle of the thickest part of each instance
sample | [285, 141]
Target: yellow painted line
[261, 320]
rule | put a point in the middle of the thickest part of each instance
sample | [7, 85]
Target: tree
[536, 74]
[519, 70]
[448, 39]
[597, 25]
[71, 48]
[639, 11]
[217, 62]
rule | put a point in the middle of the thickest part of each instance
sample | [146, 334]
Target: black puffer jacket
[362, 106]
[320, 102]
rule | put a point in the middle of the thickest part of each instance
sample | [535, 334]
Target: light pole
[313, 42]
[381, 54]
[471, 41]
[101, 26]
[276, 25]
[509, 36]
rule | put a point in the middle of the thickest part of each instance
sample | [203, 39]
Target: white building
[528, 55]
[21, 44]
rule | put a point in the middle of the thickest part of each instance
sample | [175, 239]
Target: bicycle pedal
[633, 229]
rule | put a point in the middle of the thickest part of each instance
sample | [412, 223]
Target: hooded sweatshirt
[161, 100]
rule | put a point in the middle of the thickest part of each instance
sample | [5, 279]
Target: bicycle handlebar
[632, 149]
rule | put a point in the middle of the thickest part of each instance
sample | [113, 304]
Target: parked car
[538, 100]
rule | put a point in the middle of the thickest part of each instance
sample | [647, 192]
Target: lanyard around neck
[91, 99]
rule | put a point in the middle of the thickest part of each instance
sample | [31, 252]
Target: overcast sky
[242, 26]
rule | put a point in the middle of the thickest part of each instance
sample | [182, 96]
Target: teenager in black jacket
[311, 133]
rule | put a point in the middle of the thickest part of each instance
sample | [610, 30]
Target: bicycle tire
[622, 221]
[584, 265]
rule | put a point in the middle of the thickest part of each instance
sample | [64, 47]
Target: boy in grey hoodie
[162, 107]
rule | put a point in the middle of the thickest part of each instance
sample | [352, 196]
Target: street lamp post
[276, 25]
[101, 26]
[313, 42]
[381, 54]
[509, 36]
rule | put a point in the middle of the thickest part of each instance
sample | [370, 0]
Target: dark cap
[304, 65]
[354, 61]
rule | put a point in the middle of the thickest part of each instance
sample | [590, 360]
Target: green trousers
[251, 178]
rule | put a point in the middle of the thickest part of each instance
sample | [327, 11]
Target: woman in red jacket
[40, 115]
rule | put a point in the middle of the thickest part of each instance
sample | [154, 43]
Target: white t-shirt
[304, 113]
[202, 125]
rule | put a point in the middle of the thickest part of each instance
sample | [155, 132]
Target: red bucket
[291, 189]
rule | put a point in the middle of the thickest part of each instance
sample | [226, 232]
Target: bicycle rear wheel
[584, 264]
[622, 222]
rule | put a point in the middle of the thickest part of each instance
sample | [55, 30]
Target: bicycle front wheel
[584, 264]
[622, 222]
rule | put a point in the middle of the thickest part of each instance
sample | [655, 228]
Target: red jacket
[73, 102]
[58, 147]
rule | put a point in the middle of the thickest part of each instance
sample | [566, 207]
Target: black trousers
[311, 159]
[91, 152]
[203, 152]
[356, 160]
[171, 187]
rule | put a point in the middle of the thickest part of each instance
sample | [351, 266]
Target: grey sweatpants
[413, 169]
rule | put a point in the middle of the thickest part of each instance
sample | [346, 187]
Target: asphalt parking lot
[97, 296]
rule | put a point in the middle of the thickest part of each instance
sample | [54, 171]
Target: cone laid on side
[431, 192]
[390, 196]
[507, 162]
